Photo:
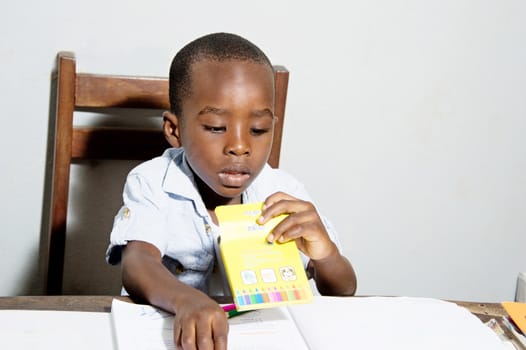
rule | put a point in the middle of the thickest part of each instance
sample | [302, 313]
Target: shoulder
[272, 180]
[269, 174]
[156, 167]
[148, 177]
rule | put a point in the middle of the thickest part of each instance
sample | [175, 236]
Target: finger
[288, 223]
[220, 334]
[293, 227]
[285, 205]
[276, 197]
[177, 335]
[187, 338]
[288, 229]
[212, 327]
[204, 336]
[221, 343]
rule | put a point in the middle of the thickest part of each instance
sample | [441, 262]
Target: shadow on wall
[132, 129]
[95, 196]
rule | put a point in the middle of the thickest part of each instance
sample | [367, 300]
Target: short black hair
[217, 47]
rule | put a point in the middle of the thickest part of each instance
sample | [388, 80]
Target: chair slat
[107, 91]
[281, 78]
[65, 105]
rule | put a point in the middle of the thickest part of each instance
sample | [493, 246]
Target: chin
[230, 192]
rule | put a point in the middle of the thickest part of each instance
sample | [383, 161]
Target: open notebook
[327, 323]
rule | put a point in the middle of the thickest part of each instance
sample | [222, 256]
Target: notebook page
[145, 327]
[391, 323]
[55, 330]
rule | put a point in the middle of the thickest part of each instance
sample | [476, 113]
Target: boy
[220, 124]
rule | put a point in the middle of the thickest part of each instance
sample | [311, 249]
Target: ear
[171, 129]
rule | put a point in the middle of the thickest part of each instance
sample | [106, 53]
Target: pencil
[234, 313]
[228, 307]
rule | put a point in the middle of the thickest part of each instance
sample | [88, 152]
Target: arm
[334, 275]
[331, 271]
[199, 321]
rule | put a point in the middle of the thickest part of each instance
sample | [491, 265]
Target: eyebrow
[221, 111]
[263, 113]
[212, 110]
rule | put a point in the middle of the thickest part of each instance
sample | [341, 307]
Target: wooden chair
[72, 144]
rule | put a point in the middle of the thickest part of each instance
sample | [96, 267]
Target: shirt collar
[179, 181]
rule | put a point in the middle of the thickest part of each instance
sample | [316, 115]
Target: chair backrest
[93, 92]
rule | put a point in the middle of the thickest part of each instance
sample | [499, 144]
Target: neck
[211, 199]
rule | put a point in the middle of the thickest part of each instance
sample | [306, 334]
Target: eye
[214, 129]
[259, 131]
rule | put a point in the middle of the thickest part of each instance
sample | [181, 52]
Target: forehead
[217, 79]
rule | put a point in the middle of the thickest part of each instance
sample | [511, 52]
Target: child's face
[227, 124]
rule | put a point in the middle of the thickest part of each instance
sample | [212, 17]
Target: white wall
[405, 119]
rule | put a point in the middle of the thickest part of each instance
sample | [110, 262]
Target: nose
[237, 144]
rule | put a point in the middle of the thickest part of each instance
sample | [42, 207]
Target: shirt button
[208, 228]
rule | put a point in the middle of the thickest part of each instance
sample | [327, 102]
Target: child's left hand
[302, 224]
[332, 272]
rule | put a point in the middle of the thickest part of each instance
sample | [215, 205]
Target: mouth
[234, 176]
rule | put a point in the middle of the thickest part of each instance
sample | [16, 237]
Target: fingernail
[270, 238]
[260, 219]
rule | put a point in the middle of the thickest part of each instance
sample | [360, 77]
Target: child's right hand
[200, 323]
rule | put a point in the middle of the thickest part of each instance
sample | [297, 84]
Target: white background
[405, 119]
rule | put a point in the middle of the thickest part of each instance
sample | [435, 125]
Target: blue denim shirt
[163, 207]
